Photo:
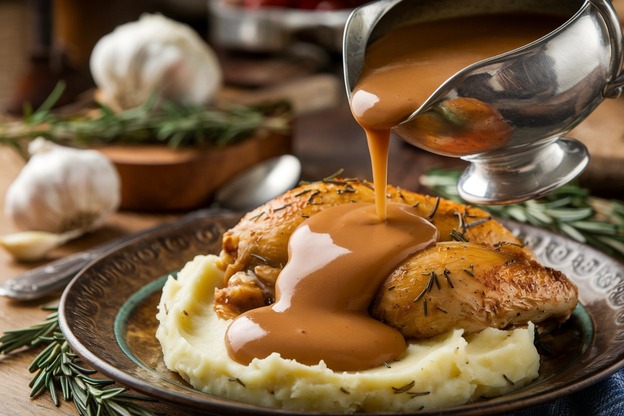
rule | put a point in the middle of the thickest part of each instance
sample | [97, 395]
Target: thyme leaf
[58, 372]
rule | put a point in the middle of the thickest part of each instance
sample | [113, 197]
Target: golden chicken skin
[478, 275]
[471, 286]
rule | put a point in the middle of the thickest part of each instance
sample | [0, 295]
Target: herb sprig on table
[569, 210]
[58, 371]
[163, 122]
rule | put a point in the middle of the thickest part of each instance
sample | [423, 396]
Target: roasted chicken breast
[471, 286]
[508, 286]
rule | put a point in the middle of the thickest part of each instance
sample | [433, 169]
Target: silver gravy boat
[539, 91]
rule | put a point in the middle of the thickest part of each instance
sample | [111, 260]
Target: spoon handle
[49, 278]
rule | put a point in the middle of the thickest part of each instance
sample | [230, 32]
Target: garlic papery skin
[63, 189]
[154, 55]
[34, 245]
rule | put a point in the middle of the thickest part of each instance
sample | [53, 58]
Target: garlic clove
[157, 56]
[34, 245]
[62, 189]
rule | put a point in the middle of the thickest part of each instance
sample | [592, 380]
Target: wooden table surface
[325, 140]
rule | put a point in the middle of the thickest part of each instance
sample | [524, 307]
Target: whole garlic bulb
[154, 55]
[63, 189]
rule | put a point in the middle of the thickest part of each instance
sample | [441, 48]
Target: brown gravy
[340, 256]
[338, 259]
[403, 68]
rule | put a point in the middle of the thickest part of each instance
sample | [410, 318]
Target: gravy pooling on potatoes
[403, 68]
[338, 258]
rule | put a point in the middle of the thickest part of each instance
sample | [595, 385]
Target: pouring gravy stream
[340, 256]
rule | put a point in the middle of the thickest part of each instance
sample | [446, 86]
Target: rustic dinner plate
[108, 313]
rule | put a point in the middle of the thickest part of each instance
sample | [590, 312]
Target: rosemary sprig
[58, 371]
[163, 122]
[569, 210]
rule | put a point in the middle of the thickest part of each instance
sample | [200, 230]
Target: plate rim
[198, 400]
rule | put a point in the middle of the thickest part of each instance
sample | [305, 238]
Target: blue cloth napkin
[605, 398]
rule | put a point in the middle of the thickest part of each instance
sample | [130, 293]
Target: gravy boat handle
[614, 86]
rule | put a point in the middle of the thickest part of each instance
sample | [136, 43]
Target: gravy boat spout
[507, 115]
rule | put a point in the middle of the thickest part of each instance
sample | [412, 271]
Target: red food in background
[301, 4]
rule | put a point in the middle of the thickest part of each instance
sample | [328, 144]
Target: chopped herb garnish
[282, 207]
[462, 224]
[305, 191]
[510, 381]
[457, 236]
[333, 175]
[419, 297]
[476, 222]
[432, 278]
[470, 272]
[348, 189]
[418, 393]
[440, 309]
[434, 209]
[312, 195]
[257, 217]
[368, 185]
[447, 274]
[405, 388]
[237, 380]
[435, 279]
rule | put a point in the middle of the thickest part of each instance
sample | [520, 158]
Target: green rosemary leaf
[109, 393]
[610, 244]
[65, 388]
[516, 213]
[28, 337]
[170, 123]
[57, 370]
[558, 203]
[572, 232]
[569, 210]
[569, 214]
[37, 384]
[536, 214]
[596, 227]
[115, 409]
[42, 112]
[53, 394]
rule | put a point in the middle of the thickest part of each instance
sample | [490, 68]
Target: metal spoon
[251, 188]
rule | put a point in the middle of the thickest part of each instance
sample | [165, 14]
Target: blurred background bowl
[273, 29]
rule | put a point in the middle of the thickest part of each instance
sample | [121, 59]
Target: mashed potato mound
[443, 371]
